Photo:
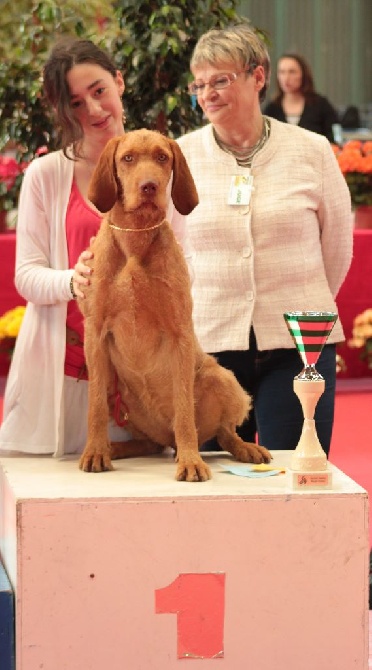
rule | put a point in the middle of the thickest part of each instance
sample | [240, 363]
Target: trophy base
[309, 458]
[311, 480]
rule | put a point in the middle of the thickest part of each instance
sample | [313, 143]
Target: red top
[82, 223]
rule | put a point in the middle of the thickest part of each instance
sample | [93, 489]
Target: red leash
[120, 408]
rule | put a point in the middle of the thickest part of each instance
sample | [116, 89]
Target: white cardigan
[290, 251]
[33, 403]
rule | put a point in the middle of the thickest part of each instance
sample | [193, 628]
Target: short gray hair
[238, 43]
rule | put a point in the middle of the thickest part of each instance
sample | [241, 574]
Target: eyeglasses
[218, 81]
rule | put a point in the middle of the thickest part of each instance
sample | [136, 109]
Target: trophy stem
[309, 454]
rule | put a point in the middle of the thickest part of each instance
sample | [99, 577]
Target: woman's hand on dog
[82, 271]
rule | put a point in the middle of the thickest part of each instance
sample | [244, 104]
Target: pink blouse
[82, 223]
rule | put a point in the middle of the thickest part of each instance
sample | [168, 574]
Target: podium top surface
[153, 477]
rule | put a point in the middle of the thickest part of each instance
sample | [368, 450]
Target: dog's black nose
[149, 188]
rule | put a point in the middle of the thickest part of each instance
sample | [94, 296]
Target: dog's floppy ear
[184, 193]
[103, 188]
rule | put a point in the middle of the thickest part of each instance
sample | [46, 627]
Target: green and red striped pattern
[310, 331]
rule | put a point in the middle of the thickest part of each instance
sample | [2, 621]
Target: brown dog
[140, 344]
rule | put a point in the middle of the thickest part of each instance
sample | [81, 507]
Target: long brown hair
[65, 54]
[307, 82]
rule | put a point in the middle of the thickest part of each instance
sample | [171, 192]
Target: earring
[124, 118]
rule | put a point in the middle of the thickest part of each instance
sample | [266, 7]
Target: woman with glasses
[296, 100]
[272, 233]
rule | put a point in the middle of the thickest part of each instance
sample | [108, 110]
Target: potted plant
[355, 161]
[151, 43]
[11, 174]
[153, 49]
[27, 31]
[10, 323]
[362, 336]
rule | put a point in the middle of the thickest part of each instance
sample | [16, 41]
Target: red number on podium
[199, 602]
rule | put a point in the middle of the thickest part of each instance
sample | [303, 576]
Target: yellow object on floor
[263, 467]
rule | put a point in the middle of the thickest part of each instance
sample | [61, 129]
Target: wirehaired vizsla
[142, 355]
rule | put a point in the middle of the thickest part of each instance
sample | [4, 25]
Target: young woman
[296, 100]
[45, 405]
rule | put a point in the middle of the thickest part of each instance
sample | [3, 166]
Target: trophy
[310, 331]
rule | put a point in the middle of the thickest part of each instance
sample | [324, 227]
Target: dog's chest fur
[148, 309]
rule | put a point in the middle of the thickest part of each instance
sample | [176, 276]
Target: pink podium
[131, 569]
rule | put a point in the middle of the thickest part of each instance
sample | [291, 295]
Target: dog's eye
[162, 158]
[128, 158]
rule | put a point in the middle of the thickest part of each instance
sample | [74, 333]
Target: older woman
[272, 233]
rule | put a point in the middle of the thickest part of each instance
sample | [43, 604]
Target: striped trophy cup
[310, 331]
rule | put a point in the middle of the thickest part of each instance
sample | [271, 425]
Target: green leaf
[151, 43]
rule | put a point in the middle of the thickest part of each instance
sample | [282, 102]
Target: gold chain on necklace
[135, 230]
[244, 155]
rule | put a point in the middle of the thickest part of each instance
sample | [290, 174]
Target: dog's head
[136, 168]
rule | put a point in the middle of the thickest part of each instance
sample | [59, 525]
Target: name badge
[240, 190]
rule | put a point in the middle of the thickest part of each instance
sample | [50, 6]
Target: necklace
[135, 230]
[244, 155]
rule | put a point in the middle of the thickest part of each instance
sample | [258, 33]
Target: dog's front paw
[248, 452]
[93, 460]
[192, 469]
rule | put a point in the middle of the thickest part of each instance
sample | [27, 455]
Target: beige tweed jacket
[289, 250]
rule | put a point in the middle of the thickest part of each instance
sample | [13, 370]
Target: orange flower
[355, 161]
[367, 148]
[353, 144]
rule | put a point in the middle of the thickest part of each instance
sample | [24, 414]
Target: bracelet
[72, 288]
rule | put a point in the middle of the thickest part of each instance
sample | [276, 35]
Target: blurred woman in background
[296, 100]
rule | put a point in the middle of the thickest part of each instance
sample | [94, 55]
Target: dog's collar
[135, 230]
